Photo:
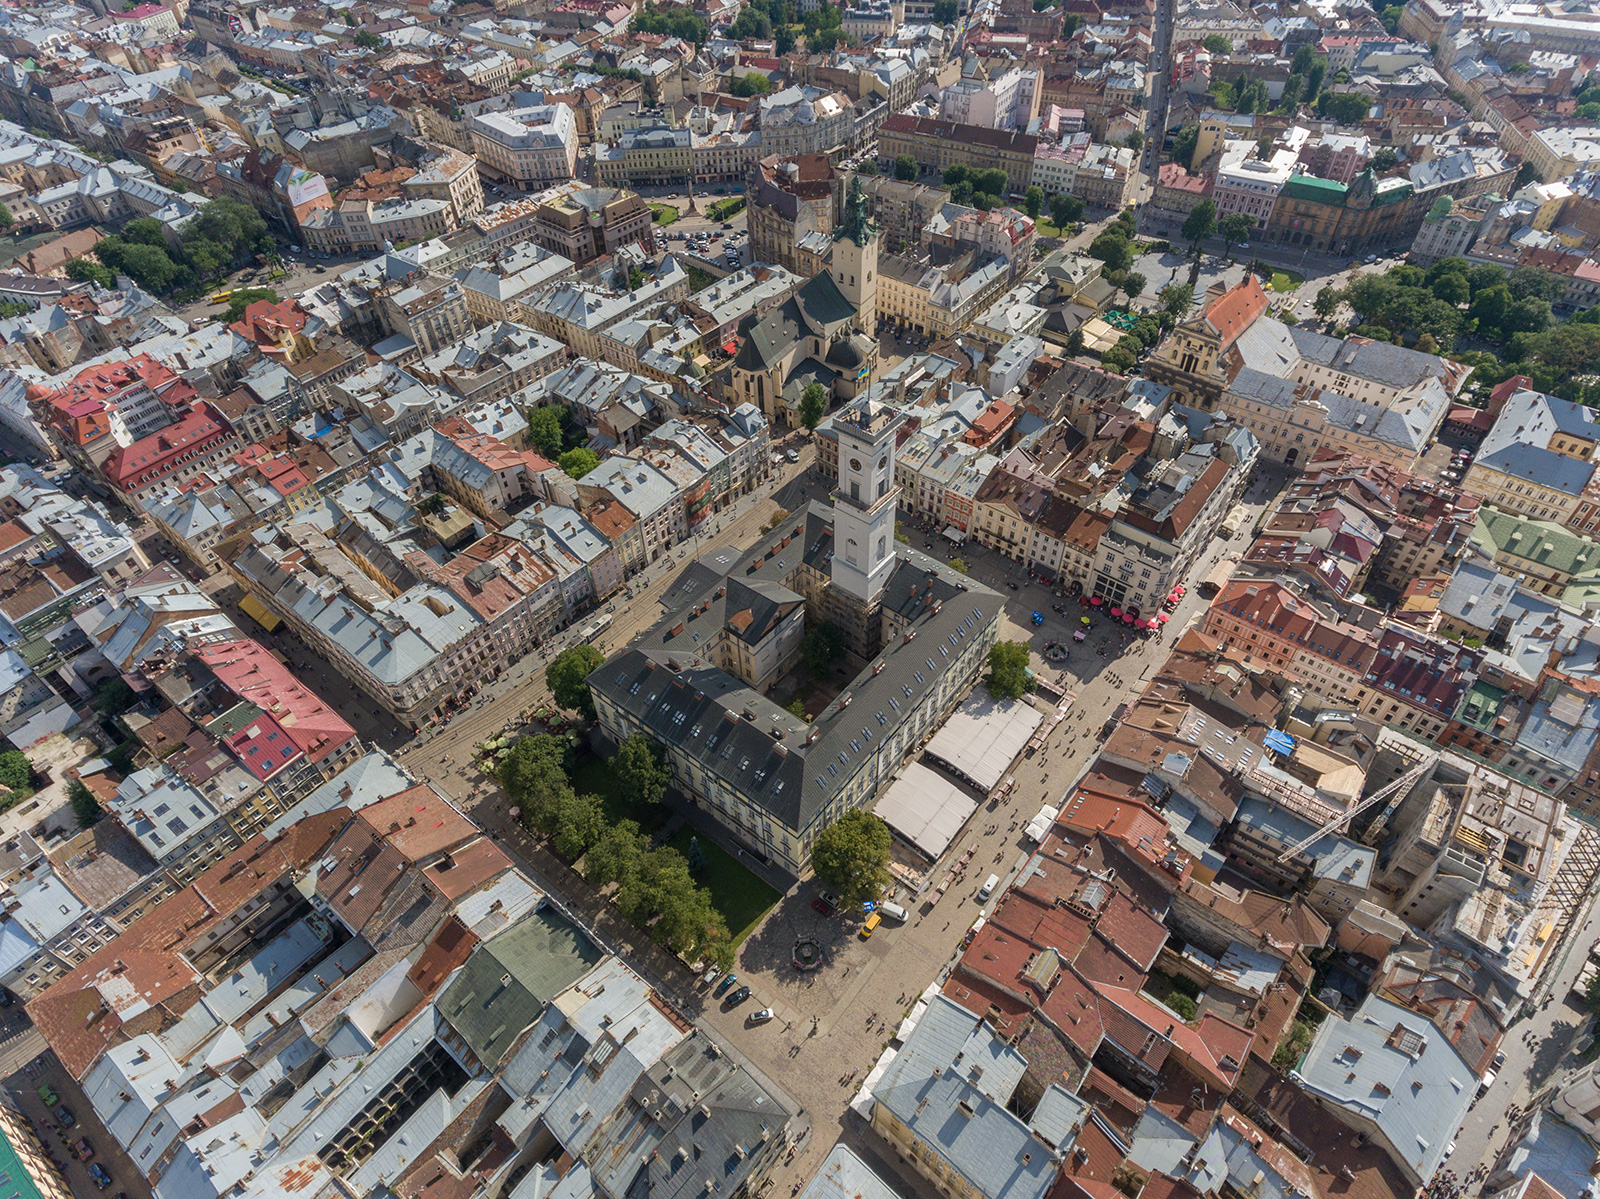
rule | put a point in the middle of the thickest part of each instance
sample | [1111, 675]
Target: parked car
[711, 976]
[64, 1116]
[738, 997]
[83, 1149]
[48, 1094]
[761, 1016]
[792, 455]
[725, 984]
[98, 1173]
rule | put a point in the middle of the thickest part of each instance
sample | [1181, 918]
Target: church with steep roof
[822, 334]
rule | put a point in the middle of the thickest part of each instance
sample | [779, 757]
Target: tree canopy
[85, 270]
[753, 83]
[86, 809]
[533, 760]
[545, 430]
[1008, 670]
[852, 856]
[1112, 248]
[813, 405]
[1200, 224]
[905, 168]
[822, 644]
[675, 22]
[641, 768]
[579, 462]
[1235, 228]
[15, 773]
[1066, 209]
[567, 677]
[1348, 108]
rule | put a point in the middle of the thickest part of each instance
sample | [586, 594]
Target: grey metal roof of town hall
[744, 738]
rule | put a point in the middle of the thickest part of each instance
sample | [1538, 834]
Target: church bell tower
[855, 259]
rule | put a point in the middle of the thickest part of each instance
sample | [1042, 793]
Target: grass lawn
[1046, 227]
[595, 776]
[665, 214]
[699, 280]
[740, 896]
[1285, 280]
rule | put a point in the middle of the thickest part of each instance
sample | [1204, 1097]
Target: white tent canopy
[926, 809]
[984, 736]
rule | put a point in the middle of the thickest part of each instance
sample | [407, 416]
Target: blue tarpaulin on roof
[1279, 742]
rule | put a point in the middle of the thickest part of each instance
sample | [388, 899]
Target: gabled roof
[1236, 309]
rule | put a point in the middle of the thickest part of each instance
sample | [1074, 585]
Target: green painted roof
[1309, 187]
[507, 981]
[234, 719]
[15, 1181]
[1390, 190]
[1480, 705]
[1543, 542]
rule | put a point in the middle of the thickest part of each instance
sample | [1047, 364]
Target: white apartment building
[1251, 185]
[533, 147]
[1010, 101]
[806, 120]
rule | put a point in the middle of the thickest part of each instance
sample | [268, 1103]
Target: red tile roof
[1236, 309]
[252, 673]
[419, 822]
[150, 459]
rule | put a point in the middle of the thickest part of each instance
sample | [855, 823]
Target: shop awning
[951, 533]
[256, 611]
[730, 346]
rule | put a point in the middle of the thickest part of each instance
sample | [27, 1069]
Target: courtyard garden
[741, 897]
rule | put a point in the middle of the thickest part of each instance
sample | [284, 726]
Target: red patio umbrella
[1115, 611]
[1162, 617]
[1095, 601]
[1126, 619]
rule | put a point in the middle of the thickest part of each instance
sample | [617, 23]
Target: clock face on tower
[855, 464]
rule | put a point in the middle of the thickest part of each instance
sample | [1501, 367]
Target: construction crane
[1405, 780]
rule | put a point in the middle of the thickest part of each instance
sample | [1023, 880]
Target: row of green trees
[221, 233]
[781, 21]
[673, 22]
[1432, 308]
[1202, 222]
[655, 888]
[979, 189]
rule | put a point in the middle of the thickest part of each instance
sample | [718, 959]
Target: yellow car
[872, 922]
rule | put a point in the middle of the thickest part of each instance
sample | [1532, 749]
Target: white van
[893, 911]
[989, 884]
